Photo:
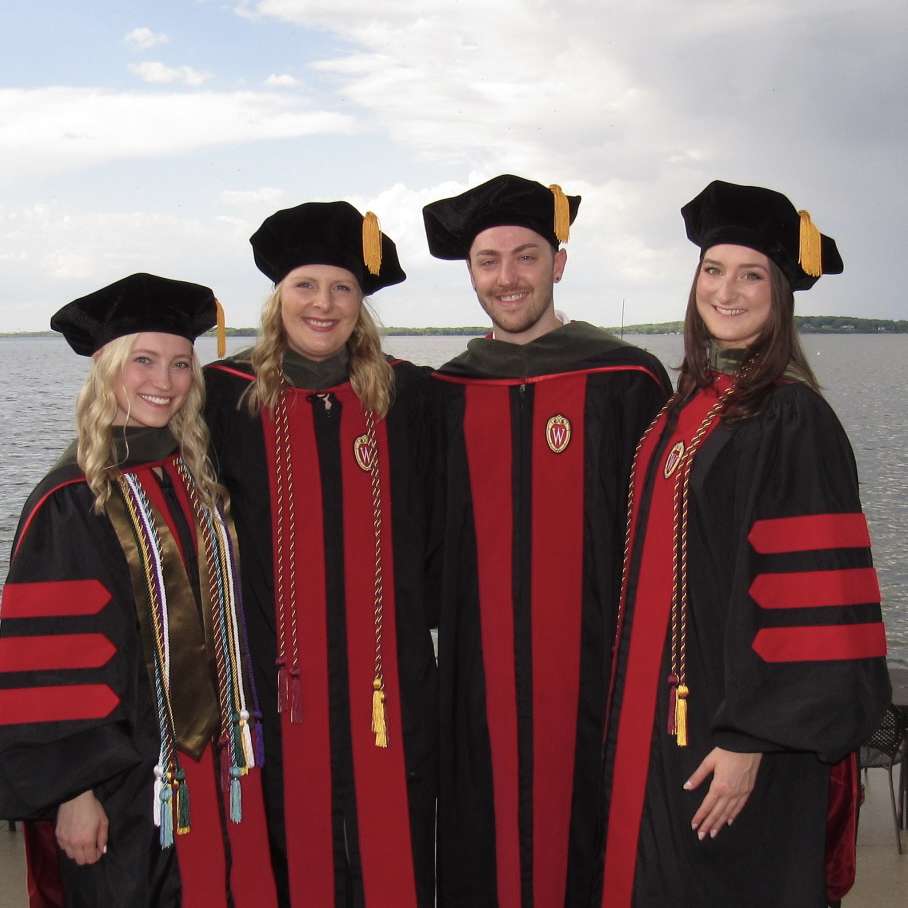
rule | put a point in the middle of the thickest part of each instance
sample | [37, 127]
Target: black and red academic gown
[538, 440]
[349, 823]
[784, 654]
[76, 708]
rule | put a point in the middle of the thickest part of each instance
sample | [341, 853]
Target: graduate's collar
[310, 375]
[560, 350]
[726, 359]
[132, 445]
[140, 444]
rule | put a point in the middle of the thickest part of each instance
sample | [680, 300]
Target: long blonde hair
[371, 378]
[96, 410]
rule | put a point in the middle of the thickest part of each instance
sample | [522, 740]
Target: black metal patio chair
[886, 749]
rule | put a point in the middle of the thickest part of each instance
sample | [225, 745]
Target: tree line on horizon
[807, 324]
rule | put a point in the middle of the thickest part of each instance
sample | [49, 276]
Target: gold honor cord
[679, 692]
[289, 692]
[379, 717]
[677, 711]
[235, 730]
[169, 778]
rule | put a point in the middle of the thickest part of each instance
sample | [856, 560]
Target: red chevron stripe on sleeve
[814, 589]
[56, 704]
[53, 598]
[62, 651]
[815, 644]
[803, 534]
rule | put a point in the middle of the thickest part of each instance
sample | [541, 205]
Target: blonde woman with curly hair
[124, 683]
[323, 444]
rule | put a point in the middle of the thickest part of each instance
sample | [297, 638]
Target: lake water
[865, 377]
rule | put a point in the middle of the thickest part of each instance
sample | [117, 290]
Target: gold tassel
[379, 727]
[681, 716]
[222, 335]
[810, 253]
[562, 214]
[371, 243]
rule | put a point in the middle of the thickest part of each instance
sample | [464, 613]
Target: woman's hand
[82, 828]
[734, 776]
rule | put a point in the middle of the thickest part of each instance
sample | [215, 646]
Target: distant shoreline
[807, 324]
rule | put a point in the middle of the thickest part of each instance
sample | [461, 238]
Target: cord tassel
[379, 725]
[181, 790]
[681, 716]
[672, 702]
[238, 748]
[166, 816]
[224, 762]
[236, 802]
[283, 687]
[296, 697]
[259, 741]
[810, 252]
[158, 788]
[246, 740]
[371, 243]
[562, 221]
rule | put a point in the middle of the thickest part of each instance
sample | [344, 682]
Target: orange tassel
[222, 330]
[379, 725]
[810, 253]
[562, 214]
[681, 716]
[371, 243]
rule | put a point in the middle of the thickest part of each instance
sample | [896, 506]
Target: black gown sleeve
[805, 646]
[74, 710]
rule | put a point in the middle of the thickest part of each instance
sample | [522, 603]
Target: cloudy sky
[157, 137]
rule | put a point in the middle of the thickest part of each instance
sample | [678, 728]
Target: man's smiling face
[513, 270]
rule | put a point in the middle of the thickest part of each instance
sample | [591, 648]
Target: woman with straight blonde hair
[323, 444]
[124, 683]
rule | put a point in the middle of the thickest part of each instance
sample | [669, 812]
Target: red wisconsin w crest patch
[673, 461]
[558, 433]
[364, 452]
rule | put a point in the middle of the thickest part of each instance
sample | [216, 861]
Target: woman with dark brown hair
[750, 652]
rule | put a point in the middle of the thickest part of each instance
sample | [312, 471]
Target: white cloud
[608, 84]
[144, 39]
[639, 106]
[635, 106]
[283, 81]
[76, 252]
[158, 73]
[57, 129]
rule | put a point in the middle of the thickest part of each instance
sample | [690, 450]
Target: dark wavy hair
[776, 349]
